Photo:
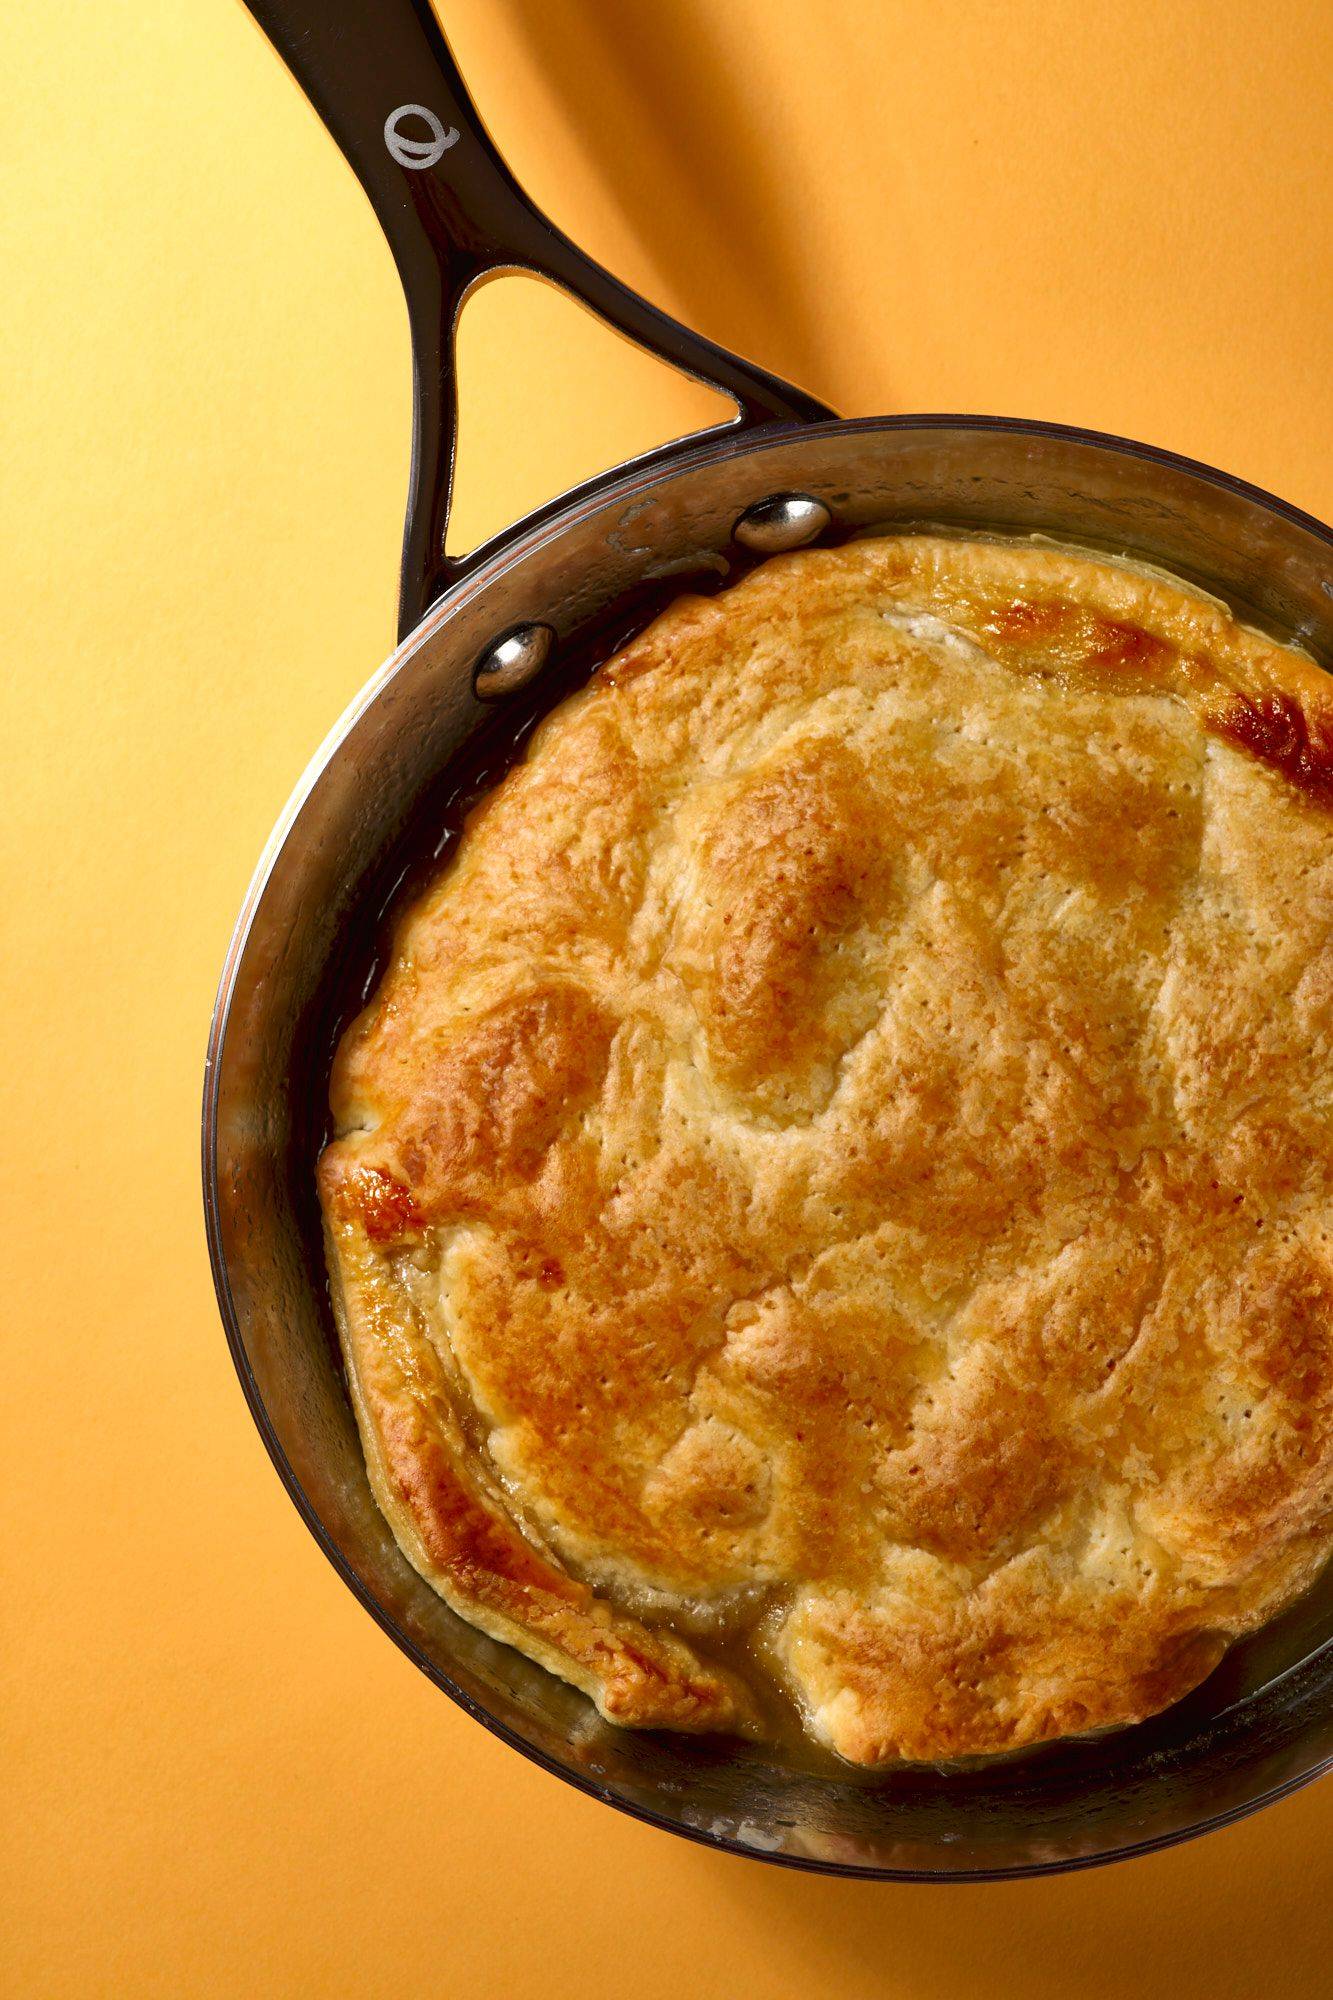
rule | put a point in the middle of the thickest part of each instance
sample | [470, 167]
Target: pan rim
[489, 561]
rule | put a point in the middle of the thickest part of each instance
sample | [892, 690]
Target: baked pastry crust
[840, 1162]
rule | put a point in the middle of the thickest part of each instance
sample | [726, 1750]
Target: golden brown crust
[454, 1524]
[844, 1156]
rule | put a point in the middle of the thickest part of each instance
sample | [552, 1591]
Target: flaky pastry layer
[838, 1168]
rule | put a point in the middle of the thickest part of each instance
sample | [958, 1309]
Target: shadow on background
[696, 166]
[1239, 1913]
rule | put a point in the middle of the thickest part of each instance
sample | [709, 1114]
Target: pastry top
[843, 1155]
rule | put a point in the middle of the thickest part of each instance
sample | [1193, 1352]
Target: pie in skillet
[832, 1196]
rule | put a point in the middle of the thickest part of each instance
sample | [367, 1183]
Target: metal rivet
[783, 521]
[510, 662]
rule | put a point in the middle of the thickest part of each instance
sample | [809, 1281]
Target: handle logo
[418, 153]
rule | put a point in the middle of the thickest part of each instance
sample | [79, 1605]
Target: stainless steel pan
[492, 638]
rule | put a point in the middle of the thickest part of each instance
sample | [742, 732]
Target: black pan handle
[380, 75]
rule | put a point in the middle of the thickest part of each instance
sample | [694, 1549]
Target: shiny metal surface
[510, 663]
[783, 521]
[1264, 1722]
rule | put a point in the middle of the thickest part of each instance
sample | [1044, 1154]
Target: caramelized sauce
[1276, 729]
[387, 1208]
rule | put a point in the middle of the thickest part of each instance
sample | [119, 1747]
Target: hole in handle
[549, 395]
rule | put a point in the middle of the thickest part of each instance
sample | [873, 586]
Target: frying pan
[487, 641]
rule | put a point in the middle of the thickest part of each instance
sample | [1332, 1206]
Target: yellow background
[219, 1777]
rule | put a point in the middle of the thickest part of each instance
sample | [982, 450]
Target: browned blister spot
[1077, 643]
[463, 1536]
[798, 857]
[1289, 1327]
[385, 1206]
[1027, 621]
[1126, 648]
[496, 1092]
[828, 1380]
[1280, 731]
[980, 1467]
[1265, 1477]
